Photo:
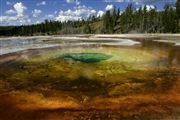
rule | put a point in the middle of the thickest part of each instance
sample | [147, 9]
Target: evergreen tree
[178, 8]
[152, 20]
[145, 19]
[107, 22]
[131, 20]
[87, 29]
[169, 19]
[127, 19]
[178, 15]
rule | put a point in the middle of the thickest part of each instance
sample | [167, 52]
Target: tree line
[143, 20]
[132, 20]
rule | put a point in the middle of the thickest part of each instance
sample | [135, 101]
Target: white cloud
[78, 13]
[16, 16]
[19, 7]
[8, 18]
[109, 7]
[69, 1]
[143, 1]
[139, 1]
[100, 13]
[51, 16]
[41, 3]
[14, 20]
[37, 22]
[150, 7]
[73, 1]
[55, 12]
[11, 11]
[36, 13]
[115, 0]
[9, 3]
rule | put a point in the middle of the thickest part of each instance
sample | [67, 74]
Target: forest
[132, 20]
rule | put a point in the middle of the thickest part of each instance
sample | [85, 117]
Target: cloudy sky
[18, 12]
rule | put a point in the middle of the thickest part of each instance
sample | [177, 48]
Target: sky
[24, 12]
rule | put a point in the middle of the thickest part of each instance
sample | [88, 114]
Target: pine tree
[152, 20]
[107, 22]
[178, 15]
[127, 19]
[145, 22]
[169, 19]
[178, 8]
[114, 18]
[87, 29]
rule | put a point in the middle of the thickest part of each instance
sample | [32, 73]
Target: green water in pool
[86, 57]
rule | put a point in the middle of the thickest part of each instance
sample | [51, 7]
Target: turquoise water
[87, 57]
